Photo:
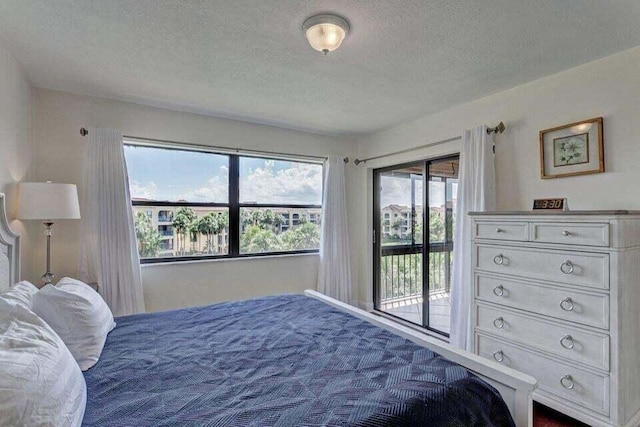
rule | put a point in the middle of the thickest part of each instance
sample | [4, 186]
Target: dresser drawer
[571, 343]
[576, 268]
[581, 387]
[571, 233]
[580, 307]
[516, 231]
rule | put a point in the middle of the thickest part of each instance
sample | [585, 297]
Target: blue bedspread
[277, 361]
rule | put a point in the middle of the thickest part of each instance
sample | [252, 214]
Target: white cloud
[397, 190]
[143, 191]
[299, 184]
[216, 189]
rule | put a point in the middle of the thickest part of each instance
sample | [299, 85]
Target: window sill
[241, 258]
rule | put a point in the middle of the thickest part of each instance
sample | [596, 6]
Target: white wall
[59, 156]
[15, 138]
[609, 87]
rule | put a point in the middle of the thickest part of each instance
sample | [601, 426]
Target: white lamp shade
[47, 201]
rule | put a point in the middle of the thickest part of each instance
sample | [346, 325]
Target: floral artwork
[571, 150]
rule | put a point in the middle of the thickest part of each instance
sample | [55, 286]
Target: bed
[287, 360]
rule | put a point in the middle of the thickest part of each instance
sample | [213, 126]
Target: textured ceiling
[248, 59]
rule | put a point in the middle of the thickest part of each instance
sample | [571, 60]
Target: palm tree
[181, 222]
[223, 224]
[149, 239]
[194, 234]
[209, 225]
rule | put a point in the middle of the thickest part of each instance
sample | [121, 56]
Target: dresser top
[567, 213]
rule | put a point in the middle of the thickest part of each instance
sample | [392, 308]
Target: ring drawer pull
[499, 230]
[498, 356]
[498, 323]
[567, 304]
[566, 233]
[566, 267]
[567, 382]
[498, 259]
[498, 291]
[567, 342]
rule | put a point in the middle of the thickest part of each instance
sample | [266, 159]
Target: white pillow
[21, 293]
[41, 382]
[79, 316]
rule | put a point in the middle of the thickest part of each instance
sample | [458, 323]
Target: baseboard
[367, 306]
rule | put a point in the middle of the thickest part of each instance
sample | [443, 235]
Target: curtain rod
[498, 129]
[85, 132]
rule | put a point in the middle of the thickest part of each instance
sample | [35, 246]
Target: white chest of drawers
[557, 296]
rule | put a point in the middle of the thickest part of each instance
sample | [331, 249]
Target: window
[191, 204]
[276, 199]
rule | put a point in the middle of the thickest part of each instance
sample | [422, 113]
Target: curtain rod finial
[358, 161]
[498, 129]
[84, 132]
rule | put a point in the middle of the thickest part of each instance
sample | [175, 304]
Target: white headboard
[9, 250]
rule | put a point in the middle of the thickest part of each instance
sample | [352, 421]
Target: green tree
[436, 227]
[149, 238]
[396, 226]
[265, 219]
[436, 259]
[246, 218]
[306, 236]
[209, 225]
[256, 239]
[182, 222]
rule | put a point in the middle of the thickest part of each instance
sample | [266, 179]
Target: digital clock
[550, 205]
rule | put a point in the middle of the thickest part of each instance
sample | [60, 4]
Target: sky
[164, 174]
[171, 175]
[397, 190]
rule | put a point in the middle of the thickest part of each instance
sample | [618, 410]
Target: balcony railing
[164, 218]
[167, 233]
[401, 270]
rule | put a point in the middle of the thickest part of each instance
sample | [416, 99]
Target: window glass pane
[176, 231]
[268, 181]
[401, 206]
[443, 186]
[279, 229]
[160, 174]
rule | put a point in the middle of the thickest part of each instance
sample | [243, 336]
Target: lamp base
[48, 277]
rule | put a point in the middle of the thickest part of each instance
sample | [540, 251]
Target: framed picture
[571, 150]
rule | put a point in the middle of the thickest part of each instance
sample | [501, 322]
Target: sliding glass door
[413, 246]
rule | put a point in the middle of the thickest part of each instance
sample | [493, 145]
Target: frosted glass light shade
[325, 33]
[47, 201]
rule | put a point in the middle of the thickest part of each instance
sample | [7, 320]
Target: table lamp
[46, 201]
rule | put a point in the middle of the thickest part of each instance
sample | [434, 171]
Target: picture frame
[572, 150]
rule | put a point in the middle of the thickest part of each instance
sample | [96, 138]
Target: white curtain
[108, 250]
[334, 275]
[476, 192]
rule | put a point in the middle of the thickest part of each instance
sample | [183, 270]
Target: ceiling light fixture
[325, 32]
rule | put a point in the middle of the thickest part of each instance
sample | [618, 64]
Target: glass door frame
[377, 239]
